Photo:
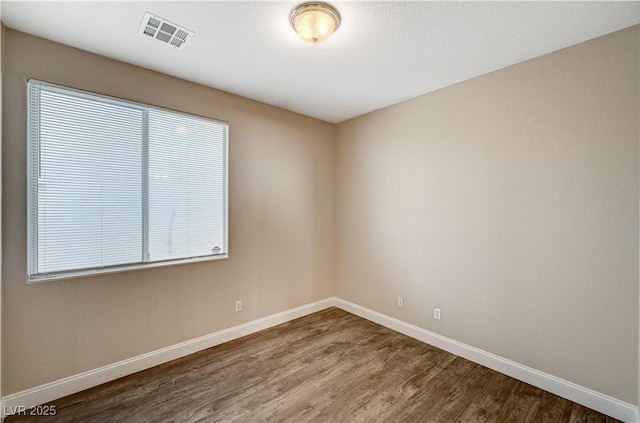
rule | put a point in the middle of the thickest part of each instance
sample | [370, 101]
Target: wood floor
[329, 367]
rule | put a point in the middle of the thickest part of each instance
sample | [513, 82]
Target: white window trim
[73, 274]
[31, 187]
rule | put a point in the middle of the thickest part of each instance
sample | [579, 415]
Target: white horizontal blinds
[186, 186]
[113, 183]
[89, 189]
[33, 170]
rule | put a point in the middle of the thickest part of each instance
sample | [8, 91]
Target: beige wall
[281, 228]
[510, 201]
[2, 38]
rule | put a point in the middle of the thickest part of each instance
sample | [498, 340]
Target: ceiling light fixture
[315, 21]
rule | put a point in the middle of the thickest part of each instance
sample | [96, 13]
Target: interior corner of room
[496, 218]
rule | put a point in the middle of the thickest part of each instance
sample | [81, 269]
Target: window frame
[33, 145]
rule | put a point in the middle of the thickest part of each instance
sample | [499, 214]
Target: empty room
[363, 211]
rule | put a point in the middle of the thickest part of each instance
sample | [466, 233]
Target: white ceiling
[383, 53]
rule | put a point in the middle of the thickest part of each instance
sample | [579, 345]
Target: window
[116, 185]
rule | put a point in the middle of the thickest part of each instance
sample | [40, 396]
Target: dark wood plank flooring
[330, 366]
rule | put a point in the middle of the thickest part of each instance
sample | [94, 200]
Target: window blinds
[186, 186]
[113, 183]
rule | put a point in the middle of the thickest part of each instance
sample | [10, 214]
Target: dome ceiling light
[315, 21]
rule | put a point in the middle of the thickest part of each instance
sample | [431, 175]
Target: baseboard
[569, 390]
[72, 384]
[76, 383]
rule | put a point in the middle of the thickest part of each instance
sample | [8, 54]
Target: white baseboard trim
[76, 383]
[569, 390]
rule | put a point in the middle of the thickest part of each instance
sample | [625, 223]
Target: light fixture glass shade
[315, 22]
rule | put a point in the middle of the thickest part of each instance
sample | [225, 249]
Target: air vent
[165, 31]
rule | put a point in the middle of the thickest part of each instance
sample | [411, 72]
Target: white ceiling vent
[165, 31]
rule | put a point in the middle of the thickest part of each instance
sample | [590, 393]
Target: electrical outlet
[238, 306]
[436, 313]
[400, 302]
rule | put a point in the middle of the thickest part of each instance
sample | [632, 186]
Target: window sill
[34, 279]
